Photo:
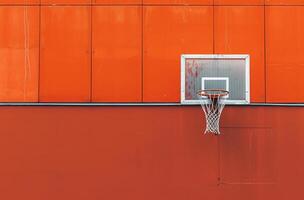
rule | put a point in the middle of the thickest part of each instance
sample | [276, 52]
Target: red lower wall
[116, 153]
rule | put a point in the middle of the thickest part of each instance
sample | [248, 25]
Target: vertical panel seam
[39, 53]
[91, 51]
[218, 139]
[265, 55]
[142, 51]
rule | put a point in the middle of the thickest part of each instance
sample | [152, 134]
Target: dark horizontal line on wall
[144, 104]
[151, 5]
[248, 183]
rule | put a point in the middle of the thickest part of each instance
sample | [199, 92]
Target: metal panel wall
[168, 33]
[19, 53]
[117, 54]
[120, 2]
[240, 30]
[175, 2]
[285, 50]
[69, 2]
[170, 28]
[150, 153]
[65, 71]
[239, 2]
[20, 2]
[284, 2]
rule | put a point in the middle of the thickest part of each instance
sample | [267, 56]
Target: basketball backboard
[224, 72]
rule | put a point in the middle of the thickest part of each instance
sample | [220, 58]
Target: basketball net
[213, 103]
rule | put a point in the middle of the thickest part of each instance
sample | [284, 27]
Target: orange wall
[129, 51]
[150, 153]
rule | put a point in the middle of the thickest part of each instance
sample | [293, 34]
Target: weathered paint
[19, 53]
[178, 2]
[240, 30]
[150, 153]
[284, 2]
[120, 2]
[117, 54]
[69, 2]
[168, 33]
[20, 2]
[147, 152]
[65, 66]
[239, 2]
[285, 50]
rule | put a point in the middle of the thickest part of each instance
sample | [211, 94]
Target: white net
[213, 103]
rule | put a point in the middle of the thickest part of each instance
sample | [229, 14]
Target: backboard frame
[184, 57]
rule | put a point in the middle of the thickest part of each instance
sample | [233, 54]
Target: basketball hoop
[213, 103]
